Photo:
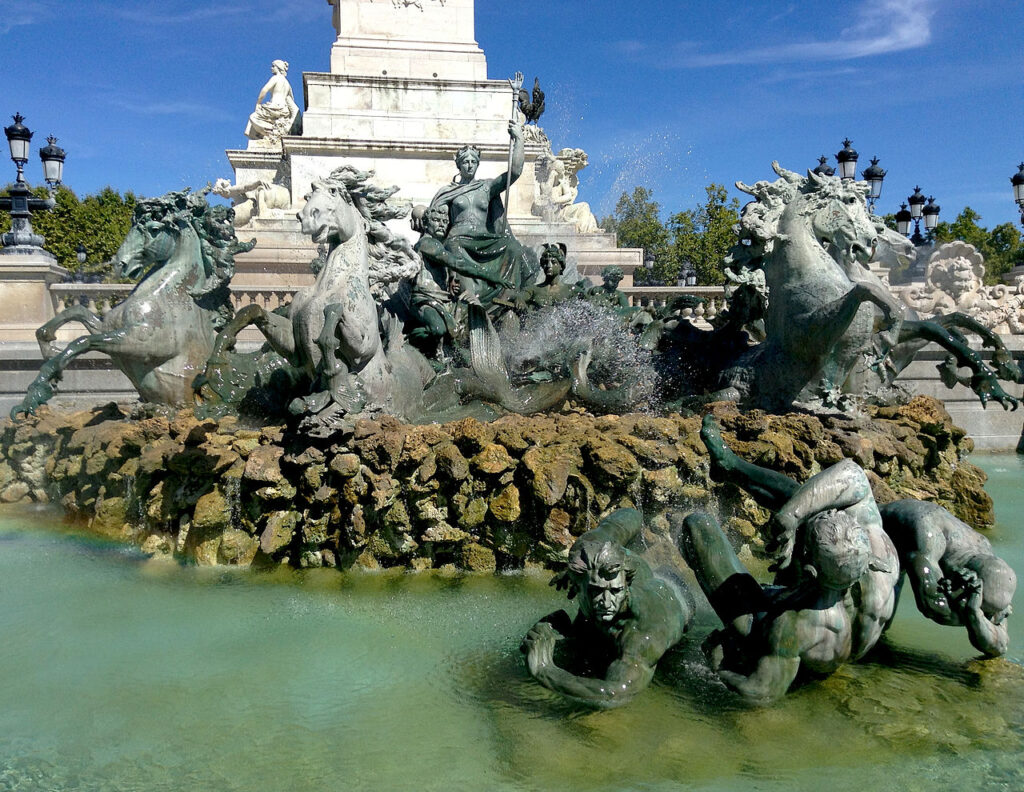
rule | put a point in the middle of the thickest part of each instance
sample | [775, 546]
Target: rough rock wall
[477, 496]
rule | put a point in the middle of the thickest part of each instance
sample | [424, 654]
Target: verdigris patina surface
[839, 571]
[161, 336]
[629, 616]
[831, 327]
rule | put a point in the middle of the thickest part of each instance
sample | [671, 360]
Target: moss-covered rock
[477, 495]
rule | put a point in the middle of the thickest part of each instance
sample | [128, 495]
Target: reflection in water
[117, 673]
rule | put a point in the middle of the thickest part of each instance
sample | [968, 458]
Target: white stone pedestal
[25, 302]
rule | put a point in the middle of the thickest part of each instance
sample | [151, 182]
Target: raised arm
[840, 486]
[498, 184]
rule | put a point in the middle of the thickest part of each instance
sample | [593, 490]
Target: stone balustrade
[659, 296]
[101, 297]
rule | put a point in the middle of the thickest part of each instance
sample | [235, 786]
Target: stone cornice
[328, 146]
[431, 84]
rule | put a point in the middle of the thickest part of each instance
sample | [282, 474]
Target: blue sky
[672, 95]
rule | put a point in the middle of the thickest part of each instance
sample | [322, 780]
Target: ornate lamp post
[21, 203]
[1017, 180]
[874, 176]
[919, 211]
[847, 159]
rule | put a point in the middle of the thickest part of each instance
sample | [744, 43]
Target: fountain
[435, 404]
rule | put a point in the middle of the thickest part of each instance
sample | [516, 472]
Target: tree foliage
[702, 235]
[100, 222]
[1002, 247]
[637, 224]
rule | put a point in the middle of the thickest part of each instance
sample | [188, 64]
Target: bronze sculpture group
[419, 331]
[840, 563]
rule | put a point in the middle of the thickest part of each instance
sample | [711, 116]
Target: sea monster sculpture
[830, 607]
[629, 616]
[955, 576]
[163, 332]
[826, 312]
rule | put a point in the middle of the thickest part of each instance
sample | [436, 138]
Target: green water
[122, 674]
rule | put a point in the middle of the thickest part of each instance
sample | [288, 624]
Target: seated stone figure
[279, 115]
[628, 618]
[553, 289]
[843, 487]
[955, 576]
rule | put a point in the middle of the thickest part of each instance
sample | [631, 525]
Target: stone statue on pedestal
[279, 115]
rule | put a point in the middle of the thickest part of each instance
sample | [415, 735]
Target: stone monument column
[429, 39]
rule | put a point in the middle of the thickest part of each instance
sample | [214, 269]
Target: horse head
[893, 250]
[330, 215]
[151, 240]
[839, 219]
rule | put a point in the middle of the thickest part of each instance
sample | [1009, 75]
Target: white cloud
[16, 13]
[881, 26]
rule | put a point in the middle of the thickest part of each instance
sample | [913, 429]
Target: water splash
[552, 339]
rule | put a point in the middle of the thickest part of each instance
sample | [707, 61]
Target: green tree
[1002, 246]
[100, 222]
[703, 235]
[637, 223]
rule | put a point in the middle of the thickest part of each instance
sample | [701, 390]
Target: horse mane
[758, 227]
[218, 244]
[392, 258]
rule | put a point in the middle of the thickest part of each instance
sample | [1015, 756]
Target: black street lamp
[1017, 180]
[52, 156]
[931, 214]
[874, 176]
[847, 159]
[903, 219]
[918, 210]
[823, 168]
[21, 203]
